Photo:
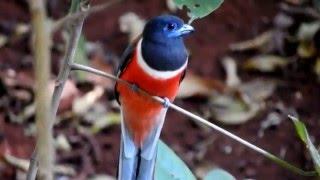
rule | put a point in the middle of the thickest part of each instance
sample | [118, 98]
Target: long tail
[136, 168]
[139, 163]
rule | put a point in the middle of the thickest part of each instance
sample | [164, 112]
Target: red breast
[140, 112]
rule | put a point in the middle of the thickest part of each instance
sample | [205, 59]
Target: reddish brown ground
[236, 20]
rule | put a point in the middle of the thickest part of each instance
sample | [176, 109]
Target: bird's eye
[171, 26]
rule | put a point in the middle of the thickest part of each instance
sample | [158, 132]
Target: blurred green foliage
[304, 136]
[199, 8]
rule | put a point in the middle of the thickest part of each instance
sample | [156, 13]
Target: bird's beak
[184, 30]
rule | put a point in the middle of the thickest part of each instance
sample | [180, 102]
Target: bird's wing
[183, 75]
[128, 151]
[125, 60]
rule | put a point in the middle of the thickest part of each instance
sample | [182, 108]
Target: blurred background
[251, 63]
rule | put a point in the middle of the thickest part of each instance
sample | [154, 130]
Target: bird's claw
[134, 87]
[166, 102]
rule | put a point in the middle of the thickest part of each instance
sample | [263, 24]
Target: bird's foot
[135, 87]
[166, 102]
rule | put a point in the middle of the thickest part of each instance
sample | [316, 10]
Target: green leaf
[314, 154]
[300, 128]
[218, 174]
[199, 8]
[169, 166]
[304, 136]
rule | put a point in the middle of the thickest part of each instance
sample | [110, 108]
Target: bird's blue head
[165, 28]
[162, 46]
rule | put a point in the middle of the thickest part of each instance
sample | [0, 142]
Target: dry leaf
[62, 143]
[21, 94]
[12, 78]
[193, 85]
[26, 113]
[259, 42]
[259, 89]
[23, 164]
[3, 40]
[244, 103]
[273, 119]
[306, 50]
[81, 105]
[104, 121]
[265, 63]
[308, 30]
[230, 109]
[22, 29]
[230, 66]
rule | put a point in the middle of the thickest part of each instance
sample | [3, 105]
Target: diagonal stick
[196, 118]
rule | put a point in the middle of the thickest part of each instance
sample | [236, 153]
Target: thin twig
[75, 32]
[196, 118]
[71, 17]
[41, 51]
[33, 167]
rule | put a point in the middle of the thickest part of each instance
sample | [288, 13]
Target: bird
[156, 63]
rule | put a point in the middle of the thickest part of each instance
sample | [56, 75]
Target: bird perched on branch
[155, 63]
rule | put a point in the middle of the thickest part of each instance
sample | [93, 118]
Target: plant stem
[33, 167]
[75, 32]
[41, 51]
[194, 117]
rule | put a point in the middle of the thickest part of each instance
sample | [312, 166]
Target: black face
[162, 46]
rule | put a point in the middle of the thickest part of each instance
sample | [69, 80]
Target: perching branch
[196, 118]
[41, 51]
